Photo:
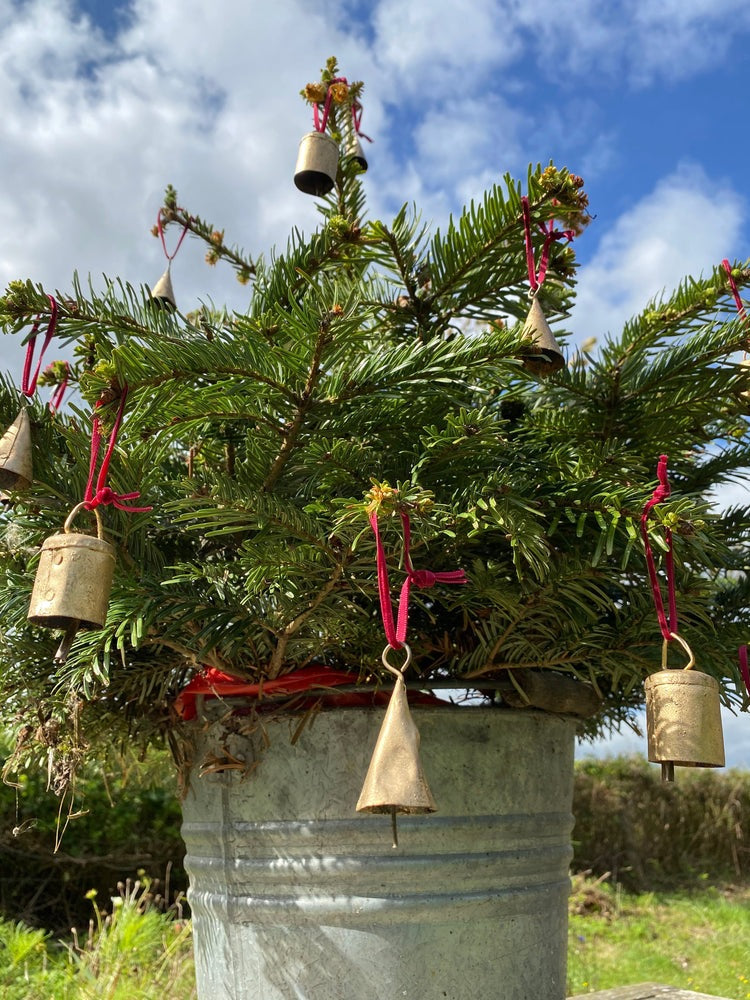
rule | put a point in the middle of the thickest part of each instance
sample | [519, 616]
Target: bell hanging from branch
[395, 781]
[745, 393]
[355, 152]
[683, 718]
[543, 355]
[317, 163]
[162, 294]
[15, 454]
[73, 581]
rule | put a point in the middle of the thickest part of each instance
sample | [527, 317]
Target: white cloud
[92, 131]
[439, 49]
[685, 226]
[205, 96]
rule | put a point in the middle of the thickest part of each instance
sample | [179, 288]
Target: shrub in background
[651, 835]
[127, 819]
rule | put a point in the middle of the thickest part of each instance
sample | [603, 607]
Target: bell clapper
[667, 770]
[394, 827]
[67, 641]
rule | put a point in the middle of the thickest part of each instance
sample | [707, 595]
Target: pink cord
[662, 491]
[735, 291]
[28, 382]
[160, 230]
[537, 275]
[422, 578]
[103, 494]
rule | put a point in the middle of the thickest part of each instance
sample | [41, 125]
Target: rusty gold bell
[73, 581]
[317, 163]
[355, 152]
[162, 294]
[683, 717]
[543, 355]
[15, 454]
[395, 781]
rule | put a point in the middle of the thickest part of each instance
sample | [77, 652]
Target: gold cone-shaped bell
[162, 294]
[317, 163]
[355, 152]
[15, 454]
[683, 719]
[543, 355]
[395, 779]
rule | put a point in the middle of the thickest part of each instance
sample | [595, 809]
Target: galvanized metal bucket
[295, 896]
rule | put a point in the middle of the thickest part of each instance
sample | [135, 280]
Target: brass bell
[683, 719]
[745, 394]
[543, 355]
[317, 163]
[73, 581]
[355, 152]
[162, 294]
[15, 454]
[395, 781]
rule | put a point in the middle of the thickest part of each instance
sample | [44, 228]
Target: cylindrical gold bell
[745, 394]
[73, 579]
[15, 454]
[317, 163]
[543, 355]
[683, 719]
[162, 294]
[355, 152]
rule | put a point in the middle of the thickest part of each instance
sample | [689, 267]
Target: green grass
[696, 941]
[136, 952]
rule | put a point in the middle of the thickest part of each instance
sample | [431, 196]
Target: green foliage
[119, 816]
[381, 352]
[649, 835]
[135, 952]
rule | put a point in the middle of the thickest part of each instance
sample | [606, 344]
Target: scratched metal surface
[646, 991]
[296, 896]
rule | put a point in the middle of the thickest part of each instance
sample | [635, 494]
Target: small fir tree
[378, 365]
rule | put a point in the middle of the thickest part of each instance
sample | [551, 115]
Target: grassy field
[697, 941]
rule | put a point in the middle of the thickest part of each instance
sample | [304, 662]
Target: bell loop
[396, 671]
[665, 647]
[71, 516]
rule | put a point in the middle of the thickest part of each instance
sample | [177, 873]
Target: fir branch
[288, 631]
[208, 234]
[294, 427]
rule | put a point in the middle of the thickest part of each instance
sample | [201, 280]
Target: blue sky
[104, 103]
